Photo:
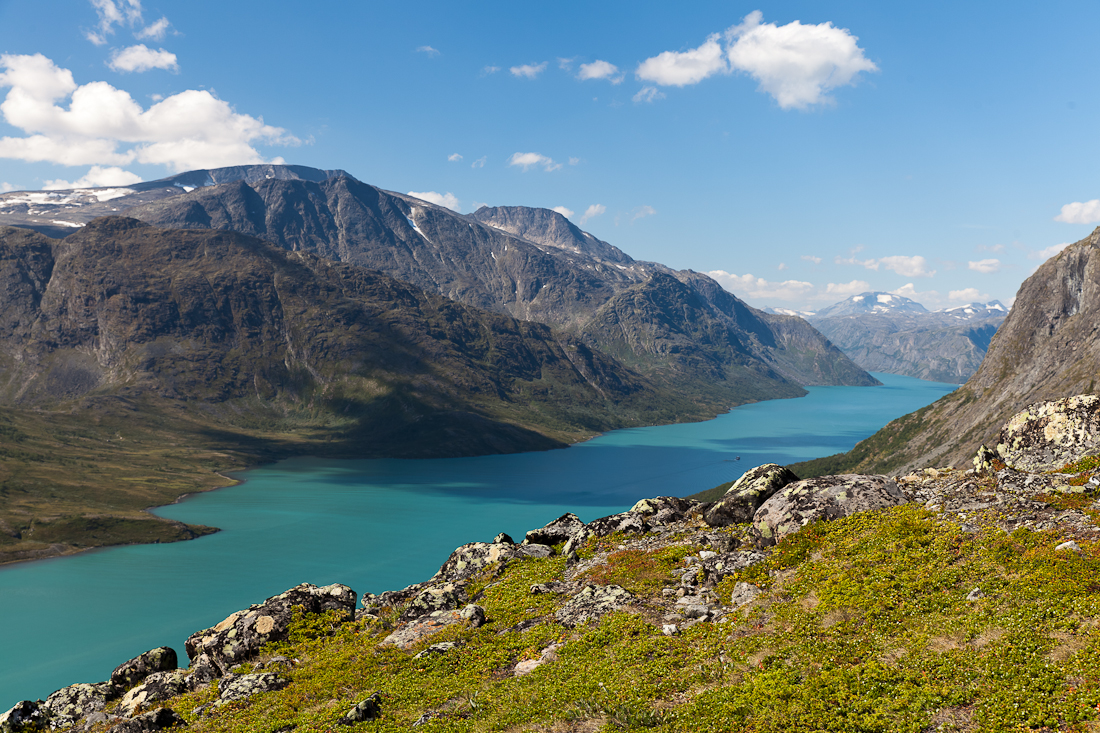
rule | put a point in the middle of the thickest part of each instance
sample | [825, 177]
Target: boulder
[128, 674]
[25, 716]
[240, 686]
[242, 634]
[527, 666]
[822, 499]
[662, 510]
[474, 557]
[1047, 435]
[158, 719]
[441, 648]
[591, 603]
[748, 493]
[156, 687]
[369, 709]
[710, 570]
[204, 669]
[440, 598]
[557, 532]
[69, 705]
[627, 522]
[416, 631]
[743, 594]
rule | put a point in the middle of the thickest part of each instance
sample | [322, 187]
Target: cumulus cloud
[781, 266]
[490, 70]
[447, 200]
[1047, 252]
[848, 289]
[112, 13]
[480, 162]
[5, 187]
[96, 177]
[528, 71]
[1080, 212]
[593, 211]
[427, 50]
[105, 126]
[648, 94]
[600, 70]
[526, 160]
[642, 211]
[154, 31]
[567, 213]
[811, 258]
[986, 267]
[796, 64]
[757, 288]
[904, 265]
[967, 295]
[454, 157]
[142, 58]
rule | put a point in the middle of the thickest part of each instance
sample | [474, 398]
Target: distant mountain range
[884, 332]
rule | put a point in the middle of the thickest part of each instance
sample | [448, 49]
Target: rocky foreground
[947, 599]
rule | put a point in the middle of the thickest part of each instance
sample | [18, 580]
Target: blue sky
[799, 152]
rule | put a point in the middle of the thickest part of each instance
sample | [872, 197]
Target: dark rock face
[158, 719]
[820, 500]
[242, 634]
[748, 494]
[25, 716]
[1048, 435]
[130, 673]
[560, 530]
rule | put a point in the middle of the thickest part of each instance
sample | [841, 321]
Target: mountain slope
[1047, 348]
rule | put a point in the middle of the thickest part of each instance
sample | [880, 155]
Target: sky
[798, 152]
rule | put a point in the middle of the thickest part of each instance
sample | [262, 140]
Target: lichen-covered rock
[661, 510]
[128, 674]
[560, 530]
[1048, 435]
[743, 594]
[748, 493]
[527, 666]
[437, 598]
[204, 669]
[627, 522]
[441, 648]
[369, 709]
[591, 603]
[156, 687]
[69, 705]
[242, 634]
[25, 716]
[241, 686]
[158, 719]
[983, 460]
[423, 627]
[473, 557]
[710, 571]
[822, 499]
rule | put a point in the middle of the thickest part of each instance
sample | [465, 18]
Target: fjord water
[383, 524]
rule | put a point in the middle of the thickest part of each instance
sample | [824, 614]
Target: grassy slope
[864, 626]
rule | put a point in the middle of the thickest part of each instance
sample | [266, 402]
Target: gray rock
[474, 615]
[440, 598]
[440, 648]
[203, 670]
[536, 550]
[242, 634]
[158, 719]
[242, 686]
[1070, 546]
[419, 629]
[560, 530]
[128, 674]
[822, 499]
[743, 594]
[549, 654]
[24, 716]
[503, 539]
[369, 709]
[748, 494]
[1048, 435]
[69, 705]
[156, 687]
[662, 510]
[626, 522]
[591, 603]
[472, 558]
[670, 629]
[975, 594]
[983, 460]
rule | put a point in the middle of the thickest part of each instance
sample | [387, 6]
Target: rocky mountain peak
[871, 302]
[551, 229]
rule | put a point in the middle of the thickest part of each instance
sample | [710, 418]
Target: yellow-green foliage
[864, 626]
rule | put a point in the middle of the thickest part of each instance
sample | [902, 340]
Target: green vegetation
[864, 626]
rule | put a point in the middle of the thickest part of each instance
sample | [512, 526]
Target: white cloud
[105, 126]
[447, 200]
[648, 94]
[967, 295]
[844, 290]
[757, 288]
[915, 266]
[593, 211]
[986, 267]
[428, 50]
[681, 68]
[490, 70]
[154, 31]
[643, 211]
[526, 160]
[112, 13]
[1087, 212]
[480, 162]
[991, 248]
[5, 187]
[600, 70]
[567, 213]
[566, 64]
[574, 161]
[141, 58]
[454, 157]
[1047, 252]
[529, 71]
[96, 177]
[796, 64]
[781, 266]
[811, 258]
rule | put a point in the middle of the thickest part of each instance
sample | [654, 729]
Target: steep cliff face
[1047, 348]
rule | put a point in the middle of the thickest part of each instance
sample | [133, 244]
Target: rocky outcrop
[1048, 435]
[748, 494]
[155, 720]
[593, 602]
[137, 669]
[820, 500]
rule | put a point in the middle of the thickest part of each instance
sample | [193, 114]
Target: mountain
[217, 341]
[1047, 348]
[883, 332]
[531, 264]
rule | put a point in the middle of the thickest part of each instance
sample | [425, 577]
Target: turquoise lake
[384, 524]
